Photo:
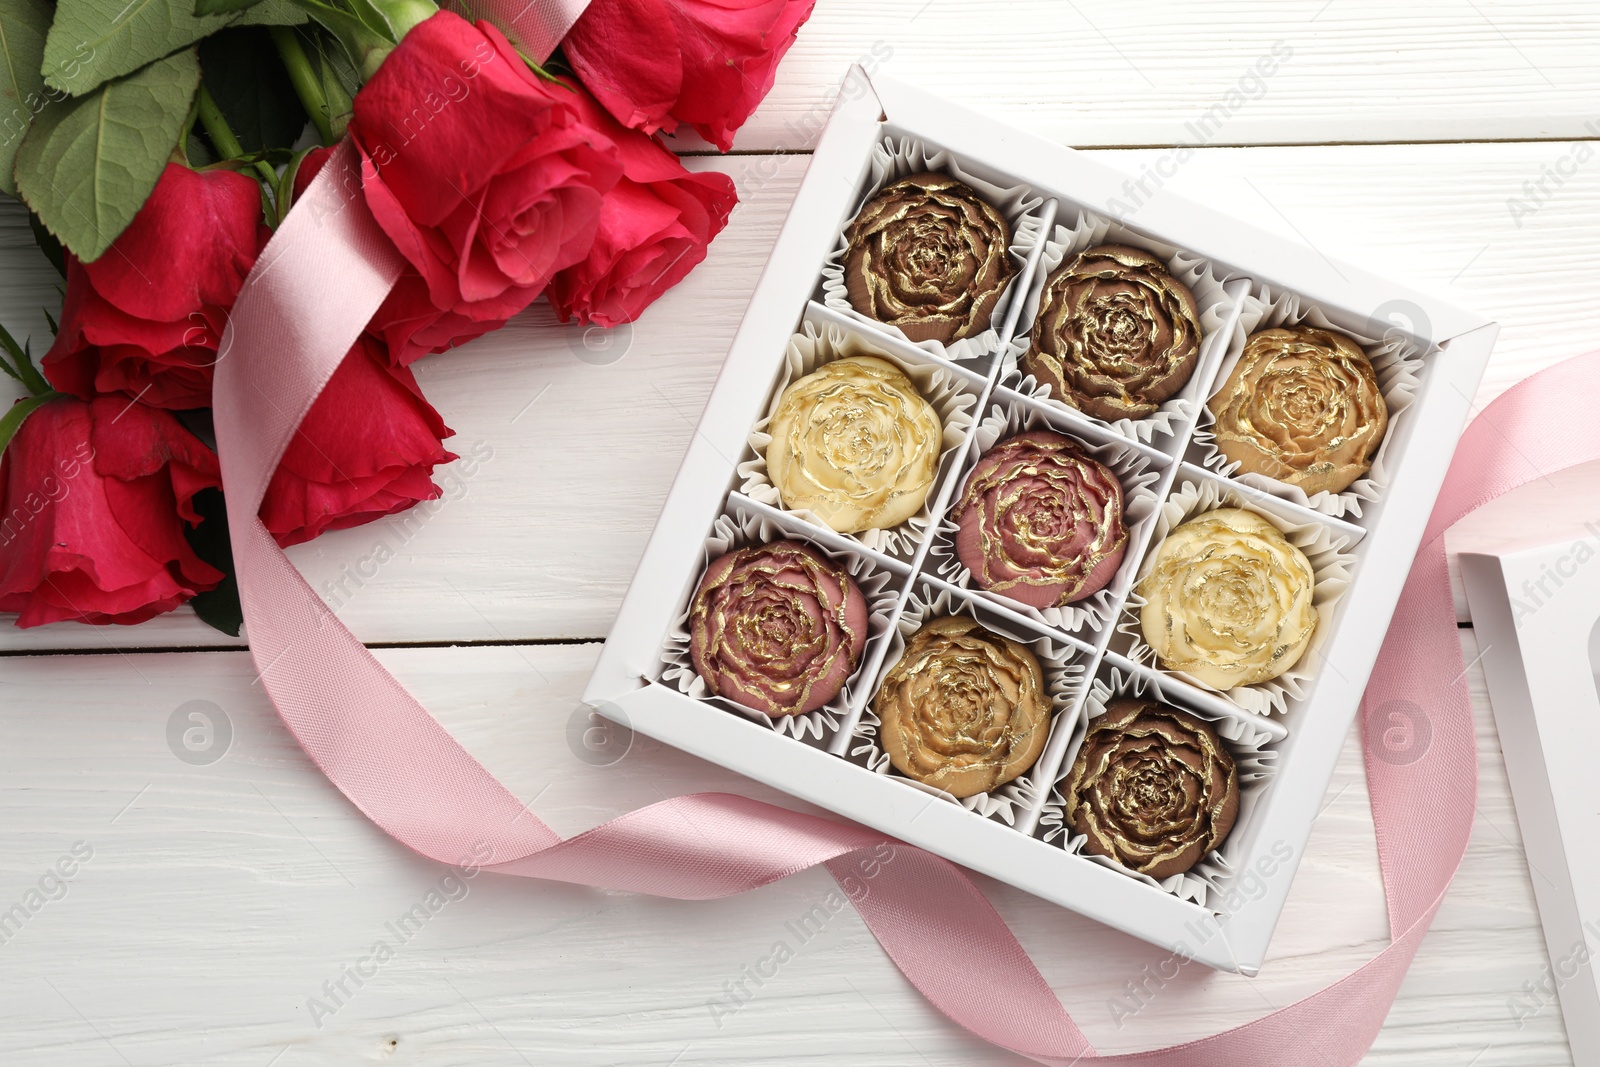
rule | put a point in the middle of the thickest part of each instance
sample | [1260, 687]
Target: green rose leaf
[222, 7]
[92, 41]
[273, 13]
[23, 26]
[87, 165]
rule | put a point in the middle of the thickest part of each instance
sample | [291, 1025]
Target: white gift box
[1286, 742]
[1536, 610]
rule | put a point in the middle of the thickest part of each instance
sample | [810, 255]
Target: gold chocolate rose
[1152, 788]
[928, 255]
[1228, 600]
[854, 443]
[964, 710]
[1302, 406]
[1116, 335]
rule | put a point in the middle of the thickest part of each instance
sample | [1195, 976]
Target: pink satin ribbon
[317, 283]
[536, 26]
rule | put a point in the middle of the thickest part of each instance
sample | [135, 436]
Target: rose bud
[1152, 788]
[656, 64]
[1302, 406]
[483, 175]
[145, 319]
[93, 500]
[777, 628]
[1040, 521]
[367, 448]
[854, 443]
[1116, 335]
[655, 224]
[928, 256]
[1228, 600]
[964, 709]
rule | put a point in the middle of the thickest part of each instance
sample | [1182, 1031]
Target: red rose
[311, 165]
[481, 174]
[367, 448]
[411, 327]
[407, 322]
[145, 318]
[704, 63]
[93, 497]
[655, 225]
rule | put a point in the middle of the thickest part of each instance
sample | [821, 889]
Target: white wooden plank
[220, 898]
[1141, 74]
[541, 540]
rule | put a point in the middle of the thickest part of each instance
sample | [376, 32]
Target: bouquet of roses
[158, 145]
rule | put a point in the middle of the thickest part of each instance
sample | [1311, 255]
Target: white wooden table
[220, 898]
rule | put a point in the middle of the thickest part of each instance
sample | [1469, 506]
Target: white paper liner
[1331, 564]
[734, 530]
[1202, 277]
[894, 158]
[819, 343]
[1396, 358]
[1065, 673]
[1247, 742]
[1140, 503]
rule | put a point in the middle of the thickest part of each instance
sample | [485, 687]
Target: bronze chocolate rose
[1040, 521]
[964, 710]
[1152, 788]
[777, 628]
[1302, 406]
[928, 255]
[1116, 335]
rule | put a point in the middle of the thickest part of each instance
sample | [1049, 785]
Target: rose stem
[221, 134]
[307, 85]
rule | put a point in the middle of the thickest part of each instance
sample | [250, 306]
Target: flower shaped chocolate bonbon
[1302, 406]
[964, 710]
[1228, 600]
[776, 627]
[1116, 335]
[1152, 788]
[928, 256]
[1040, 521]
[854, 443]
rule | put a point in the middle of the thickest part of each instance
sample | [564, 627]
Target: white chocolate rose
[1228, 600]
[854, 443]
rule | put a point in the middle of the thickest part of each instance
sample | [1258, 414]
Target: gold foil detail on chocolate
[964, 710]
[1302, 406]
[856, 444]
[928, 256]
[1152, 788]
[754, 642]
[1034, 494]
[1228, 600]
[1116, 335]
